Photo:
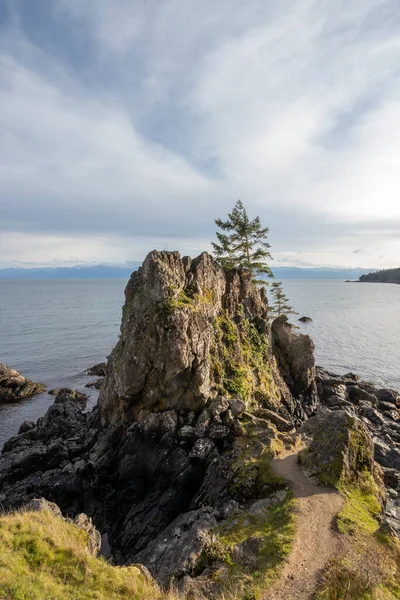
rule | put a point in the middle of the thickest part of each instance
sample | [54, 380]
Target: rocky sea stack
[174, 464]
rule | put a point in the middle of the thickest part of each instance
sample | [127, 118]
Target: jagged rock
[218, 406]
[246, 553]
[81, 521]
[26, 426]
[387, 395]
[218, 431]
[391, 477]
[39, 504]
[64, 394]
[93, 543]
[179, 318]
[99, 370]
[237, 407]
[295, 356]
[187, 433]
[14, 386]
[357, 395]
[371, 414]
[386, 456]
[175, 552]
[202, 448]
[281, 423]
[340, 449]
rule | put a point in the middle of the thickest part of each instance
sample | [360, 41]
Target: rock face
[295, 356]
[14, 386]
[190, 331]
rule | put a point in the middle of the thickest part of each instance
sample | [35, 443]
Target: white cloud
[182, 107]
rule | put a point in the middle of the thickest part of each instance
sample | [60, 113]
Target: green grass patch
[45, 558]
[362, 507]
[368, 566]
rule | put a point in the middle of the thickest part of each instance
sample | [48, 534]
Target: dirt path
[315, 541]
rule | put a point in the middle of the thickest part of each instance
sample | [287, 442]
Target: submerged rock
[14, 386]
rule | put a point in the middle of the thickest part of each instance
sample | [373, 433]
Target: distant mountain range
[123, 272]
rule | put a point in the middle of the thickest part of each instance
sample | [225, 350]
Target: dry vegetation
[368, 565]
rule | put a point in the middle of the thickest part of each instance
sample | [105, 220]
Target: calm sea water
[51, 331]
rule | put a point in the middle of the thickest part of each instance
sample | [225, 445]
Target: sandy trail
[315, 541]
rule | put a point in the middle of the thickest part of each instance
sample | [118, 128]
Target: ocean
[53, 330]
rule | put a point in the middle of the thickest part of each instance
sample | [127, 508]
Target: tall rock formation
[190, 330]
[195, 396]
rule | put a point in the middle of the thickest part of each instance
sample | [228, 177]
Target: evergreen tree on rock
[280, 305]
[244, 244]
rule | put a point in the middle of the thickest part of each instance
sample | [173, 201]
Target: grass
[45, 558]
[368, 565]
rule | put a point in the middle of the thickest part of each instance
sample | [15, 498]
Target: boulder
[14, 386]
[176, 551]
[341, 447]
[305, 319]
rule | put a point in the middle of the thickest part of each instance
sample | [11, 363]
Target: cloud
[126, 126]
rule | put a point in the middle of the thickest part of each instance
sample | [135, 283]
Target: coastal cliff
[200, 394]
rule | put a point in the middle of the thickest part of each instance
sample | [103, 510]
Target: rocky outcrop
[379, 411]
[14, 386]
[190, 331]
[198, 395]
[193, 406]
[295, 356]
[341, 447]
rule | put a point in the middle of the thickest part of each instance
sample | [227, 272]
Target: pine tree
[245, 245]
[280, 304]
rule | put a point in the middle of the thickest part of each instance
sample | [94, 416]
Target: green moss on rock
[241, 358]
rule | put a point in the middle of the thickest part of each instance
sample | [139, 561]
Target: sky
[128, 125]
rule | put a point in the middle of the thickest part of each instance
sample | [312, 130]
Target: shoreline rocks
[15, 387]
